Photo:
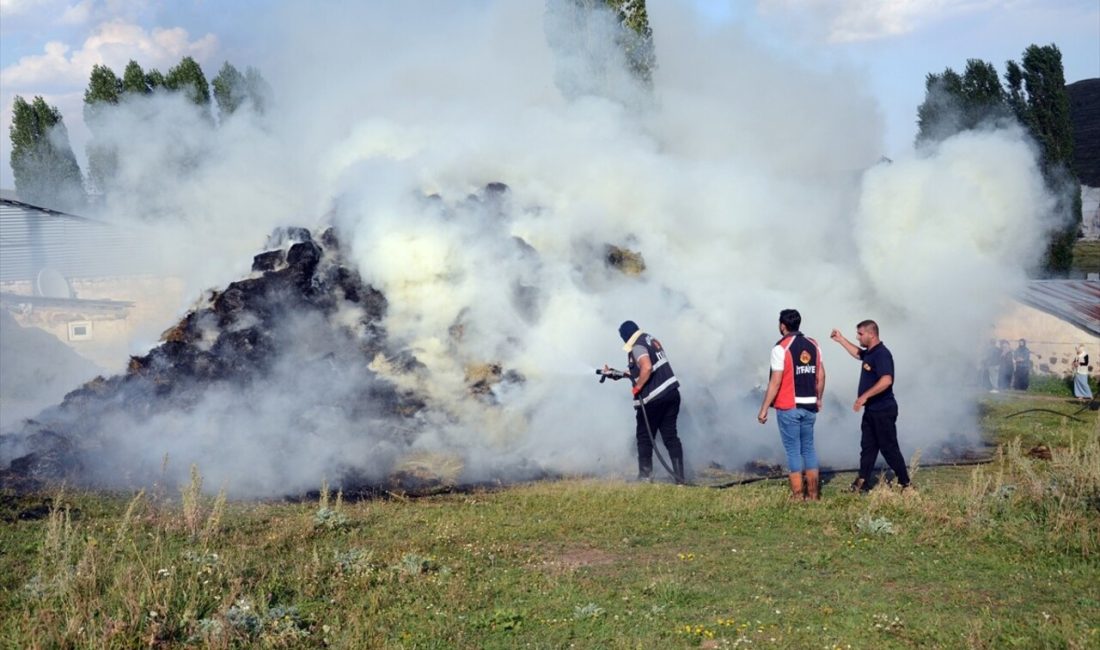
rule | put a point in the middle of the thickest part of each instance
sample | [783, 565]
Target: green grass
[1036, 419]
[1086, 256]
[1002, 555]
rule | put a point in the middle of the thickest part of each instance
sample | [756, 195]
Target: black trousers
[662, 415]
[880, 434]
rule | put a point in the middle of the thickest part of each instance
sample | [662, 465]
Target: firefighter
[795, 389]
[656, 393]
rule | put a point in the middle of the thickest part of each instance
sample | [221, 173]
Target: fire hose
[616, 375]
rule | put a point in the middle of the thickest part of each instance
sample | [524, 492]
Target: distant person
[992, 365]
[656, 394]
[795, 388]
[1007, 366]
[1021, 374]
[876, 398]
[1081, 388]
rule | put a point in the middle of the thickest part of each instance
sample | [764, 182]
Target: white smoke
[749, 183]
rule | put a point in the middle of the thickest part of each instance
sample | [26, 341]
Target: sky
[48, 47]
[749, 177]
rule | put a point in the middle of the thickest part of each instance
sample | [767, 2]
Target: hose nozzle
[610, 373]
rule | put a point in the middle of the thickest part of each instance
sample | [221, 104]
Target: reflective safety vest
[661, 380]
[801, 364]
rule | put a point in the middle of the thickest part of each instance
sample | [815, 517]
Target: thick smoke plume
[749, 183]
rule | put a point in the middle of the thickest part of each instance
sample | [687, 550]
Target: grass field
[1003, 555]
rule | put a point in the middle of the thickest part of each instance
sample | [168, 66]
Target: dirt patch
[569, 560]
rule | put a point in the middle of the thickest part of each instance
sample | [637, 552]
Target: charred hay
[232, 337]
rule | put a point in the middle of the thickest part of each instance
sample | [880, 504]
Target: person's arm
[882, 384]
[845, 343]
[645, 369]
[769, 395]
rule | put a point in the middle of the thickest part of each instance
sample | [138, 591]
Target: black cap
[627, 329]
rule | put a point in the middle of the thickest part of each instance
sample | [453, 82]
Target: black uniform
[660, 397]
[880, 416]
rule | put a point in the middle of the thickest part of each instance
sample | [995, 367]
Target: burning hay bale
[303, 313]
[628, 261]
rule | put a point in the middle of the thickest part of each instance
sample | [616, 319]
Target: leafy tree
[104, 87]
[104, 90]
[1047, 117]
[154, 79]
[1036, 98]
[955, 102]
[576, 31]
[1047, 103]
[940, 115]
[1017, 101]
[232, 89]
[637, 37]
[257, 88]
[134, 81]
[187, 77]
[42, 161]
[229, 90]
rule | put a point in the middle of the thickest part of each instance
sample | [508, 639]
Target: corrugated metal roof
[33, 238]
[1074, 301]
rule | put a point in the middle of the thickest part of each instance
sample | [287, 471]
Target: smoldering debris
[292, 358]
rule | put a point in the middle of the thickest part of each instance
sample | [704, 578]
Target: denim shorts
[796, 429]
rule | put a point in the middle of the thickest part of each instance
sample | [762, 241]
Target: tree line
[46, 170]
[1034, 96]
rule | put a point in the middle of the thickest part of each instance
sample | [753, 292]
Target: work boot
[678, 470]
[645, 469]
[796, 486]
[856, 485]
[813, 487]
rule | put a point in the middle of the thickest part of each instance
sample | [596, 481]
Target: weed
[504, 619]
[192, 502]
[589, 611]
[874, 525]
[412, 564]
[330, 518]
[327, 519]
[1062, 494]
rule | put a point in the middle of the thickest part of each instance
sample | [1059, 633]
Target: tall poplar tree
[1047, 117]
[955, 102]
[229, 90]
[134, 81]
[187, 77]
[103, 93]
[257, 89]
[42, 161]
[232, 89]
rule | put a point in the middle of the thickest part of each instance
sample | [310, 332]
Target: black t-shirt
[877, 362]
